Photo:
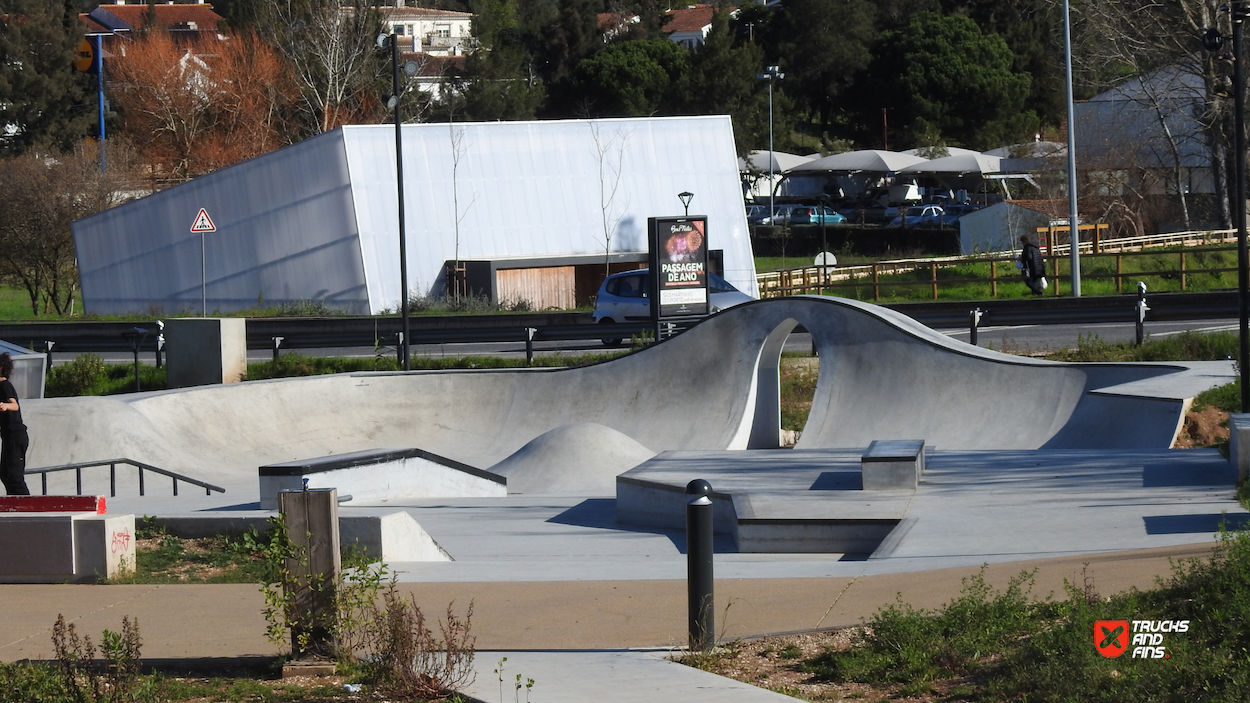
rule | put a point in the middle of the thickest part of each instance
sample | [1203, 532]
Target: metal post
[824, 243]
[203, 280]
[99, 72]
[974, 322]
[1239, 200]
[277, 344]
[399, 178]
[529, 345]
[1141, 309]
[699, 550]
[1073, 219]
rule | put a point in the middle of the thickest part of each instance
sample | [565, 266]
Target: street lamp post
[1212, 39]
[393, 102]
[771, 74]
[685, 197]
[824, 242]
[1074, 229]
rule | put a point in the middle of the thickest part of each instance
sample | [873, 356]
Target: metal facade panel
[286, 231]
[538, 189]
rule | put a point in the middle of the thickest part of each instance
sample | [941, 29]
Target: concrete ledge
[52, 504]
[892, 464]
[393, 537]
[65, 547]
[1239, 444]
[381, 475]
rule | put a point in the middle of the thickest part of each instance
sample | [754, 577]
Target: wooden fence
[812, 279]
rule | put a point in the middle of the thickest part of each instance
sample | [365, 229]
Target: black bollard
[699, 566]
[974, 323]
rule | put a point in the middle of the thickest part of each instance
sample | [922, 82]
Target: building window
[442, 30]
[399, 30]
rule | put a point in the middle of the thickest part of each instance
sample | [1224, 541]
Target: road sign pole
[203, 280]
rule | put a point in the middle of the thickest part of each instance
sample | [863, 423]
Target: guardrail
[112, 464]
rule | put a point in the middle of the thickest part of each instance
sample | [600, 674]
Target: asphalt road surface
[1013, 339]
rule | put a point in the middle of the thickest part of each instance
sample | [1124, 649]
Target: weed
[117, 679]
[791, 651]
[516, 688]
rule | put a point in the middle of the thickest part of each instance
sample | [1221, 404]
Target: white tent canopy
[759, 161]
[970, 163]
[864, 160]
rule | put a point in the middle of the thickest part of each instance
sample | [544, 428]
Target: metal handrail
[112, 464]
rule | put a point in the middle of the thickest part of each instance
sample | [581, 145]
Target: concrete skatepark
[1024, 462]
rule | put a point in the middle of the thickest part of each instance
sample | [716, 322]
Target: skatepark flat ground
[582, 641]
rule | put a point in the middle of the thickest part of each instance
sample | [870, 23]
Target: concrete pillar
[205, 350]
[312, 522]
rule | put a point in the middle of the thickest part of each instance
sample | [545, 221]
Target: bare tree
[609, 153]
[336, 61]
[1161, 39]
[44, 193]
[457, 154]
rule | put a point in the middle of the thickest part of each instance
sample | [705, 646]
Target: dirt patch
[1205, 428]
[775, 663]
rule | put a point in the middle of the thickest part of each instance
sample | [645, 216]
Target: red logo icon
[1111, 637]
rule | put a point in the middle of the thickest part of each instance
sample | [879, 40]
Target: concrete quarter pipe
[715, 387]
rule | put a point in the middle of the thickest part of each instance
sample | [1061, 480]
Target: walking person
[13, 438]
[1032, 266]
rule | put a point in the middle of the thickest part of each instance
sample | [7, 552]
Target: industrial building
[533, 211]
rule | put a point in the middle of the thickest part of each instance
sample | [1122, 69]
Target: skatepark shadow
[600, 513]
[240, 506]
[1191, 524]
[838, 481]
[1175, 476]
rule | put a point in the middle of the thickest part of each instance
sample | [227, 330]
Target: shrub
[75, 377]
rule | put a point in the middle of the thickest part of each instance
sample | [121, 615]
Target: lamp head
[383, 40]
[685, 197]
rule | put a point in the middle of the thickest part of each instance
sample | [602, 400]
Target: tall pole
[203, 279]
[1239, 200]
[771, 74]
[772, 194]
[99, 72]
[1074, 229]
[399, 177]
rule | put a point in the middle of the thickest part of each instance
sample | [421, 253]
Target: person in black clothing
[13, 437]
[1032, 266]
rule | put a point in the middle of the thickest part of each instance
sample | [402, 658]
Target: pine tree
[44, 101]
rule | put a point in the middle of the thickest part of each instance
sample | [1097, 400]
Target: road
[1013, 339]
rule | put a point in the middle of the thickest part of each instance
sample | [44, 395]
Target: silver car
[625, 297]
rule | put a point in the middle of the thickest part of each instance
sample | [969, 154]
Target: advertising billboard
[679, 261]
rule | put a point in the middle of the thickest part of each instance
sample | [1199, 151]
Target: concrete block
[1239, 444]
[381, 475]
[65, 547]
[202, 351]
[391, 538]
[104, 546]
[894, 464]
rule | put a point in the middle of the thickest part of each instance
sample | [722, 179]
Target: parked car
[758, 215]
[625, 297]
[924, 216]
[814, 215]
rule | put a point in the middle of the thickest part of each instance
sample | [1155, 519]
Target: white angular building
[523, 205]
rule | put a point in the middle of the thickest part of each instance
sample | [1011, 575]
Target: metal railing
[809, 279]
[112, 464]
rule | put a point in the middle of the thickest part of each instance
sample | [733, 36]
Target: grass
[799, 373]
[1187, 346]
[87, 374]
[994, 645]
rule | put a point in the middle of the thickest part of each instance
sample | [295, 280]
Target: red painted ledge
[52, 504]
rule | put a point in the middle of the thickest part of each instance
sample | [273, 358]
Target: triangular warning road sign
[203, 223]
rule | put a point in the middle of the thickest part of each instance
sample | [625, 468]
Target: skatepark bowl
[574, 474]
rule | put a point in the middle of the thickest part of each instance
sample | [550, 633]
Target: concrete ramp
[581, 458]
[715, 387]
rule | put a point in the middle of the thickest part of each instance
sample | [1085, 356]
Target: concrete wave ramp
[715, 387]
